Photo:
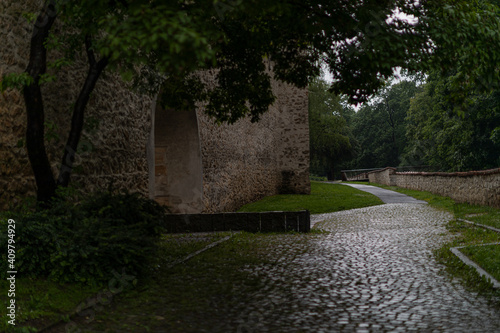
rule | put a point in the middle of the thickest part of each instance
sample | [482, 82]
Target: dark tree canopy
[164, 44]
[447, 140]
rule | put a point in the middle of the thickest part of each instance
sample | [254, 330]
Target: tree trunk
[331, 173]
[44, 178]
[95, 70]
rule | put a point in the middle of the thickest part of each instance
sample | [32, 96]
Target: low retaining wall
[381, 176]
[474, 187]
[251, 222]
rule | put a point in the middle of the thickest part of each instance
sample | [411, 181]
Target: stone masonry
[239, 163]
[116, 132]
[474, 187]
[269, 157]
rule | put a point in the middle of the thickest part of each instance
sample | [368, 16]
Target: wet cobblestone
[373, 272]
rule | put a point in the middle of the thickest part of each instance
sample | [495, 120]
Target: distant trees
[380, 127]
[454, 123]
[449, 137]
[435, 124]
[331, 140]
[451, 122]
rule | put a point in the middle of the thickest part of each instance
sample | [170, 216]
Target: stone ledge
[251, 222]
[480, 225]
[456, 251]
[393, 171]
[382, 170]
[451, 174]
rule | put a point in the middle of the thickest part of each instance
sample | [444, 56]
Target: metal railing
[362, 174]
[357, 175]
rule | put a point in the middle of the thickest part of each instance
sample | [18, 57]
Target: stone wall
[118, 120]
[381, 176]
[474, 187]
[246, 161]
[240, 163]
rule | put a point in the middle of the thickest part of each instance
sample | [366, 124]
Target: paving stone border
[208, 247]
[252, 222]
[88, 305]
[468, 262]
[480, 225]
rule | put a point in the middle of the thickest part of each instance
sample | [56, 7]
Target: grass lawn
[40, 302]
[179, 297]
[324, 198]
[181, 292]
[193, 285]
[488, 256]
[485, 215]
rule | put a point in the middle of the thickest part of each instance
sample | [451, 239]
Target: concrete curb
[76, 313]
[480, 225]
[208, 247]
[468, 262]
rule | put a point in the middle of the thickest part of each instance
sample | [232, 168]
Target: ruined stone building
[181, 158]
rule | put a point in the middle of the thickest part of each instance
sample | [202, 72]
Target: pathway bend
[387, 196]
[373, 272]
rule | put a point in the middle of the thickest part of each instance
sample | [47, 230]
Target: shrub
[86, 241]
[317, 178]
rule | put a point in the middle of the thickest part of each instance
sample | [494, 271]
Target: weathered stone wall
[14, 165]
[241, 162]
[474, 187]
[293, 129]
[113, 151]
[246, 161]
[381, 176]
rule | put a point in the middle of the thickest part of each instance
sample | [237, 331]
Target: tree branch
[77, 122]
[90, 52]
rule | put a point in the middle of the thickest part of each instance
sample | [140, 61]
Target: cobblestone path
[373, 272]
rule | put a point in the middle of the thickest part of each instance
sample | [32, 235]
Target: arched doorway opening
[174, 158]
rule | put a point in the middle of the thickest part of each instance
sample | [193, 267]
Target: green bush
[318, 178]
[86, 241]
